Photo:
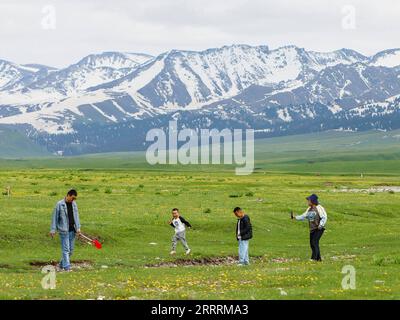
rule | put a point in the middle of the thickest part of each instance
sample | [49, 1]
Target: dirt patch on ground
[376, 189]
[78, 264]
[283, 260]
[344, 257]
[208, 261]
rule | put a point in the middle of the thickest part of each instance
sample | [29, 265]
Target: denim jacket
[59, 221]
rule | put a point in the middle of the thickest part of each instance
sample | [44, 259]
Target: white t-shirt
[179, 226]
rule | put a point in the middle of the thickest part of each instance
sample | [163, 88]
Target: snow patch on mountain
[284, 115]
[335, 108]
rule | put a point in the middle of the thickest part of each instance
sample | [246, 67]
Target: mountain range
[108, 101]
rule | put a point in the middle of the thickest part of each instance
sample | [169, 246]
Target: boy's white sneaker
[172, 252]
[243, 264]
[188, 251]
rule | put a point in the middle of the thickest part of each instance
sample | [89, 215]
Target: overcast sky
[60, 32]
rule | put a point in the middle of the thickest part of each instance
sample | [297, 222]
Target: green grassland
[126, 203]
[327, 152]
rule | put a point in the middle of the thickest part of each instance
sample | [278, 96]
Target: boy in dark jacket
[244, 232]
[179, 224]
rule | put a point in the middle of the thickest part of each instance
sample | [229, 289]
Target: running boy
[179, 224]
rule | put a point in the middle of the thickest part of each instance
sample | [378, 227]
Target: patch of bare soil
[376, 189]
[283, 260]
[344, 257]
[208, 261]
[257, 200]
[77, 264]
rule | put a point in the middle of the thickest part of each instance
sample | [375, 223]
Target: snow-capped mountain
[346, 85]
[112, 93]
[59, 84]
[187, 79]
[90, 71]
[11, 73]
[388, 58]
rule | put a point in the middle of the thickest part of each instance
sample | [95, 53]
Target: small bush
[384, 261]
[108, 191]
[95, 189]
[53, 194]
[141, 186]
[249, 194]
[235, 195]
[208, 210]
[36, 192]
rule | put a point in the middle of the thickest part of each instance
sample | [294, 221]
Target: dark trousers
[315, 236]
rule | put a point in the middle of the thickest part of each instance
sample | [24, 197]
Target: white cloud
[154, 26]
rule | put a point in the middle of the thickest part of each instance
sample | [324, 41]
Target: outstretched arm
[302, 217]
[186, 223]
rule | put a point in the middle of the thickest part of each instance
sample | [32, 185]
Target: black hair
[175, 209]
[237, 209]
[72, 192]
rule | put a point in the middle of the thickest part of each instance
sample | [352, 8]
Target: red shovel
[93, 242]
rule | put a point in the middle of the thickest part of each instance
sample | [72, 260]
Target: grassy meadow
[126, 204]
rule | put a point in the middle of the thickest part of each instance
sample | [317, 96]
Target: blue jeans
[244, 252]
[67, 247]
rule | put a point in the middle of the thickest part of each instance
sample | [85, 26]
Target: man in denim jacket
[65, 220]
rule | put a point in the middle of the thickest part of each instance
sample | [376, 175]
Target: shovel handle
[86, 238]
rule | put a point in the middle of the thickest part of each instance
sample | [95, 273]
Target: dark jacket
[246, 230]
[186, 223]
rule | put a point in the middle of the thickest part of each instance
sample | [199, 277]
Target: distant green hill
[331, 152]
[13, 144]
[372, 152]
[330, 141]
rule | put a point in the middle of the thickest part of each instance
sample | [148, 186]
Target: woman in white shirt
[316, 217]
